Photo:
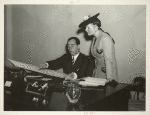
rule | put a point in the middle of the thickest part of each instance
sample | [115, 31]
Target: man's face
[73, 47]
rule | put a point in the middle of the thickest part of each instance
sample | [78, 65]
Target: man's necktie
[72, 60]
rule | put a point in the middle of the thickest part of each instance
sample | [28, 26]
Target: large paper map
[37, 69]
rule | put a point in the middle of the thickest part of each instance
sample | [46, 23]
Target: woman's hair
[97, 22]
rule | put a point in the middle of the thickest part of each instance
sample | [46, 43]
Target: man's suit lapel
[70, 60]
[78, 61]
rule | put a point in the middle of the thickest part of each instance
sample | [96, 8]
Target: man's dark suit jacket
[81, 66]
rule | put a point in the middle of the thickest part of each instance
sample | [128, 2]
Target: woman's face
[90, 29]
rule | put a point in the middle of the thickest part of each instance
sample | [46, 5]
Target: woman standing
[102, 49]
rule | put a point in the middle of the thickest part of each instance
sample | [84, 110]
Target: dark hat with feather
[90, 19]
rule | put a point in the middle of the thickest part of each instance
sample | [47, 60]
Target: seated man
[71, 62]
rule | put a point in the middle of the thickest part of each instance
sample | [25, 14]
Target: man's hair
[76, 39]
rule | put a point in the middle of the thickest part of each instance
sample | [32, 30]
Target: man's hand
[71, 76]
[44, 65]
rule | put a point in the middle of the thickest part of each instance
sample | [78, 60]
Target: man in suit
[73, 62]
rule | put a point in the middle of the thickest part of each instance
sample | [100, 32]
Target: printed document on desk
[37, 69]
[89, 81]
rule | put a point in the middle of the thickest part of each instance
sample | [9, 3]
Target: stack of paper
[89, 81]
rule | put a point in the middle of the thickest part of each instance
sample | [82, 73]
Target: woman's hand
[113, 83]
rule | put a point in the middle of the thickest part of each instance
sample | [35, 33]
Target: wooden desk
[107, 99]
[92, 99]
[95, 99]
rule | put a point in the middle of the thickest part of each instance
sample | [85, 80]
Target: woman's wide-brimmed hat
[89, 19]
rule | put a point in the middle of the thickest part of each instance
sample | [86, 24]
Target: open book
[37, 69]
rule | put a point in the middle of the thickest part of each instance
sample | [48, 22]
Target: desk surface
[92, 95]
[88, 96]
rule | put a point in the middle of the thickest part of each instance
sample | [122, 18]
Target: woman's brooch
[99, 50]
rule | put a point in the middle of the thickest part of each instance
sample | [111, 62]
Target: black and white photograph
[75, 57]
